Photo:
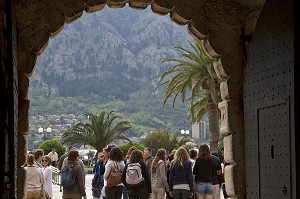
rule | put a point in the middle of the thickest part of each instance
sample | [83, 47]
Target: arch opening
[33, 43]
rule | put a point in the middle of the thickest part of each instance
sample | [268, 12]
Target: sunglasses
[44, 160]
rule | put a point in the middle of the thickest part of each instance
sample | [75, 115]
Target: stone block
[224, 90]
[23, 86]
[21, 182]
[231, 117]
[23, 122]
[235, 181]
[26, 63]
[234, 150]
[220, 70]
[228, 153]
[22, 150]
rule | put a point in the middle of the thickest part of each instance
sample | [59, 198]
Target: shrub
[163, 139]
[49, 144]
[124, 147]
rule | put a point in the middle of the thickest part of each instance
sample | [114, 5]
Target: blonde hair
[130, 151]
[180, 155]
[160, 155]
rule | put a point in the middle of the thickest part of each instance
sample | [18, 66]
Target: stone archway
[219, 23]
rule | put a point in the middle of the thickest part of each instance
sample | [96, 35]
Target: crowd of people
[183, 174]
[39, 169]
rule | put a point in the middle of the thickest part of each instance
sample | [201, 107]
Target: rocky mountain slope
[111, 52]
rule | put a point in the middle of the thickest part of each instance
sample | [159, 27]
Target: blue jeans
[181, 194]
[204, 188]
[125, 193]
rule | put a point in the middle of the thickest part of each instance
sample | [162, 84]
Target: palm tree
[98, 132]
[194, 75]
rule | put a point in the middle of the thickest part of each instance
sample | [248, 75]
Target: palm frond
[99, 131]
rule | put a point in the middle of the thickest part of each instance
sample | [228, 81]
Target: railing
[55, 175]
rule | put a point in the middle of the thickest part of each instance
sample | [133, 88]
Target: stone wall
[3, 87]
[219, 23]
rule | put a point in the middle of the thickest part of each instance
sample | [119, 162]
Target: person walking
[98, 180]
[62, 158]
[76, 191]
[168, 162]
[193, 157]
[181, 177]
[38, 156]
[47, 176]
[204, 172]
[144, 190]
[159, 175]
[115, 162]
[126, 161]
[148, 158]
[54, 157]
[224, 164]
[35, 179]
[216, 183]
[80, 162]
[105, 152]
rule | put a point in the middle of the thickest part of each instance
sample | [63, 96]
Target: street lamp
[49, 130]
[41, 130]
[185, 133]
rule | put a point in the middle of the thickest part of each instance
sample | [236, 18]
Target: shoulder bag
[114, 178]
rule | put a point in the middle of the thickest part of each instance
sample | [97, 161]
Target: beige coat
[159, 178]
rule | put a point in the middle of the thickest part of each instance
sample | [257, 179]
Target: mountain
[112, 54]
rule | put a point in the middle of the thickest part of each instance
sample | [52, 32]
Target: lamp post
[185, 133]
[40, 130]
[48, 131]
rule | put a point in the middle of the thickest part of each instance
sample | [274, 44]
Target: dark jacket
[148, 162]
[181, 174]
[204, 170]
[146, 184]
[61, 160]
[218, 169]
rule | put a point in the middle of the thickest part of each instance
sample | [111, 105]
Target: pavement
[57, 194]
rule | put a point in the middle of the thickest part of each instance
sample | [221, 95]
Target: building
[200, 130]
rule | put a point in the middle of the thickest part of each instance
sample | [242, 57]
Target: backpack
[114, 177]
[134, 177]
[68, 178]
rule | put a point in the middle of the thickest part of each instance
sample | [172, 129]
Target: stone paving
[88, 184]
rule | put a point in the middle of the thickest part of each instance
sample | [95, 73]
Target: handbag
[115, 176]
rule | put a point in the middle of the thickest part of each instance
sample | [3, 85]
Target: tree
[163, 139]
[194, 75]
[124, 147]
[49, 144]
[98, 131]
